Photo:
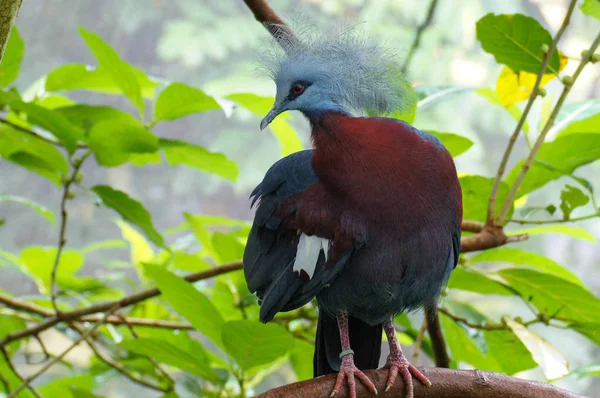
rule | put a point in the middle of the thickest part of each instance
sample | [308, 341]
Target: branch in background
[568, 84]
[62, 241]
[438, 344]
[420, 30]
[447, 383]
[44, 368]
[574, 219]
[8, 13]
[491, 221]
[124, 302]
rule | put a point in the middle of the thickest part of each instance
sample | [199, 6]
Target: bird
[367, 221]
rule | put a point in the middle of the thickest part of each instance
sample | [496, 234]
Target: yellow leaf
[513, 87]
[141, 251]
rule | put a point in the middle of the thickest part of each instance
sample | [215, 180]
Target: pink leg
[397, 363]
[348, 370]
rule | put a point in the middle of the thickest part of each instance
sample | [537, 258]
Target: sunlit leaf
[513, 86]
[547, 356]
[86, 116]
[63, 386]
[11, 61]
[188, 302]
[461, 347]
[83, 77]
[120, 72]
[286, 136]
[228, 248]
[114, 141]
[38, 262]
[525, 258]
[553, 296]
[591, 8]
[587, 125]
[179, 100]
[252, 344]
[140, 249]
[189, 262]
[454, 143]
[574, 232]
[515, 41]
[130, 209]
[42, 210]
[55, 101]
[476, 191]
[492, 96]
[181, 152]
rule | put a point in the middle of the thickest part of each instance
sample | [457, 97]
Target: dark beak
[270, 116]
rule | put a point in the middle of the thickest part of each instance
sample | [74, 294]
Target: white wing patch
[307, 254]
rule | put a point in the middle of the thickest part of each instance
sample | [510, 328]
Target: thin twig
[124, 302]
[554, 221]
[62, 241]
[83, 336]
[418, 342]
[420, 30]
[540, 140]
[14, 370]
[491, 220]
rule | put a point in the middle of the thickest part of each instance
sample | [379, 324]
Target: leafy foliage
[154, 342]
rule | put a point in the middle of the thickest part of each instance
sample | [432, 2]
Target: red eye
[298, 89]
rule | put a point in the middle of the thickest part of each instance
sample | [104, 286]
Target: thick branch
[8, 13]
[447, 383]
[523, 118]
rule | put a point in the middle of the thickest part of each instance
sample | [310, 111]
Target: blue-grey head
[340, 71]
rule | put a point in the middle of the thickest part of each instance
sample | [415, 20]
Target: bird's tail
[365, 340]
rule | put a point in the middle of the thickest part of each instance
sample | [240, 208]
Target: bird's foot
[399, 364]
[347, 371]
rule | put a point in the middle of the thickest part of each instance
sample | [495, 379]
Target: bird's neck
[319, 115]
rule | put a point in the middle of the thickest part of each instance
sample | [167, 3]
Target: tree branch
[14, 370]
[513, 138]
[540, 140]
[420, 30]
[8, 13]
[447, 383]
[124, 302]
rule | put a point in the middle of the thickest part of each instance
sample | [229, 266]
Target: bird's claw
[347, 371]
[399, 364]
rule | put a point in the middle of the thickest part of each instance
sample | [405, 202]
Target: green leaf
[525, 258]
[508, 351]
[465, 279]
[229, 249]
[574, 232]
[120, 72]
[54, 101]
[252, 344]
[476, 191]
[64, 386]
[515, 41]
[462, 348]
[191, 358]
[189, 262]
[179, 100]
[82, 77]
[553, 296]
[86, 116]
[42, 210]
[591, 8]
[549, 358]
[430, 95]
[571, 198]
[181, 152]
[10, 324]
[140, 249]
[114, 141]
[38, 262]
[286, 136]
[33, 153]
[301, 358]
[51, 121]
[591, 330]
[556, 159]
[584, 126]
[130, 209]
[454, 143]
[188, 302]
[575, 112]
[11, 61]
